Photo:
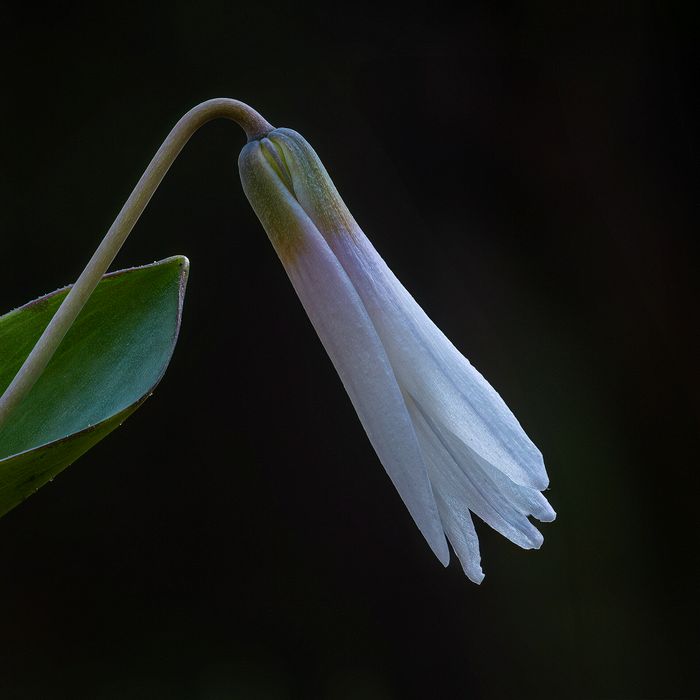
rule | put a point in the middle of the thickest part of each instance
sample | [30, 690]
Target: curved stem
[255, 127]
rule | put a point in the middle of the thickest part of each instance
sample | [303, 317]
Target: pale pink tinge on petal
[352, 343]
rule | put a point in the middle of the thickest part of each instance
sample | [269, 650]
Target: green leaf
[107, 365]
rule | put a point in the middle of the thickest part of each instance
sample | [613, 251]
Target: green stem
[255, 127]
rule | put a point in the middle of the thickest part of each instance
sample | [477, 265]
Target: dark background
[526, 173]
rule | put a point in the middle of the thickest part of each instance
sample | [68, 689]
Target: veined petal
[456, 479]
[425, 362]
[460, 531]
[527, 500]
[347, 333]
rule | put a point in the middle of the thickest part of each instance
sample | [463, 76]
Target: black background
[526, 173]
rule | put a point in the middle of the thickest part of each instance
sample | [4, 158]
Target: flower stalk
[254, 125]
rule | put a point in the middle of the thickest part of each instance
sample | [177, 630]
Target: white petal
[452, 495]
[458, 480]
[457, 521]
[424, 360]
[349, 337]
[431, 369]
[527, 500]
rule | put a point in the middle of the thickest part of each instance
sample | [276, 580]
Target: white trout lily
[445, 437]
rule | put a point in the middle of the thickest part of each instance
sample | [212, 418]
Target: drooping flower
[445, 437]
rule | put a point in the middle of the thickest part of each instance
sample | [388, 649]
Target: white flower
[445, 437]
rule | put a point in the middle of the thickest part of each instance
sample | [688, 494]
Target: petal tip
[528, 538]
[442, 552]
[544, 512]
[540, 481]
[548, 517]
[475, 575]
